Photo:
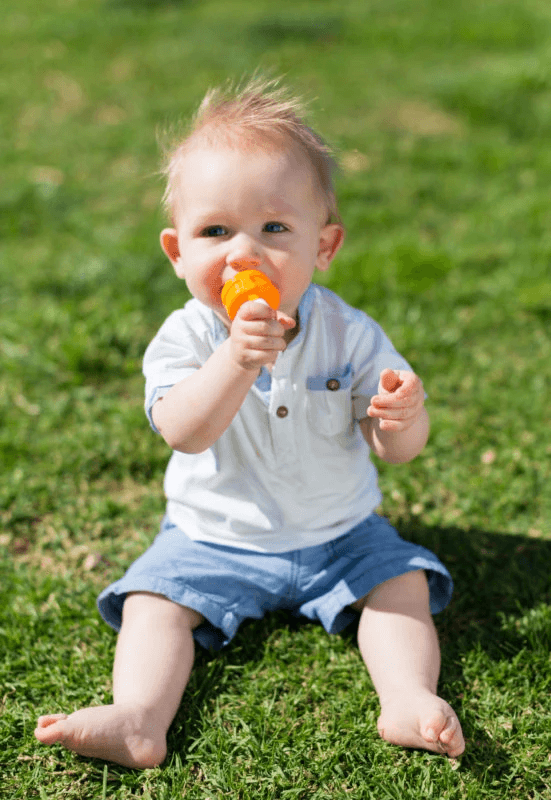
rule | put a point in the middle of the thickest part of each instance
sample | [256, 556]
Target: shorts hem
[320, 583]
[336, 615]
[220, 625]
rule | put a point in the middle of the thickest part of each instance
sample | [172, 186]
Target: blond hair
[258, 114]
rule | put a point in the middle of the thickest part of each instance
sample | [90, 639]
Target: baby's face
[241, 209]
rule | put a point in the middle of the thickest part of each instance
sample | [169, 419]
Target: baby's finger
[394, 426]
[256, 309]
[394, 402]
[404, 397]
[285, 320]
[398, 414]
[389, 381]
[266, 343]
[411, 385]
[262, 327]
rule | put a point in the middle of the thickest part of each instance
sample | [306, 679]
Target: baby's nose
[245, 263]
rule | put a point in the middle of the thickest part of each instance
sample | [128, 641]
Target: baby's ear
[331, 239]
[169, 243]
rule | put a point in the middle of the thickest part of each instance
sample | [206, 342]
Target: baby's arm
[196, 411]
[397, 425]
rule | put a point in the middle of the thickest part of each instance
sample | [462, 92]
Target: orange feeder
[251, 284]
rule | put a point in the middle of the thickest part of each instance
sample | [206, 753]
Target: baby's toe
[449, 736]
[51, 728]
[449, 731]
[48, 719]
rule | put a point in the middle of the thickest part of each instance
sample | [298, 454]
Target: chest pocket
[329, 402]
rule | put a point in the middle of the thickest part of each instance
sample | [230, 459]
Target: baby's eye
[274, 227]
[214, 230]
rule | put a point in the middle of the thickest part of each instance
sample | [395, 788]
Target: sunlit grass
[442, 116]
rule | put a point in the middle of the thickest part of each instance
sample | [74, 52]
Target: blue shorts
[228, 585]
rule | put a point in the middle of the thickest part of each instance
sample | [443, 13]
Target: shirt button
[282, 411]
[333, 384]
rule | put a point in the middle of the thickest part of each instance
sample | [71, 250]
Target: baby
[271, 419]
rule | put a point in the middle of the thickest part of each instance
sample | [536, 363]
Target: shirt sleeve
[373, 352]
[176, 351]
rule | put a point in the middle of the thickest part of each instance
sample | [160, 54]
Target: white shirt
[292, 470]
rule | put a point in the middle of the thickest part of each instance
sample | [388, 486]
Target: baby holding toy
[271, 418]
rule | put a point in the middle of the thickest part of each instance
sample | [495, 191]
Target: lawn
[442, 116]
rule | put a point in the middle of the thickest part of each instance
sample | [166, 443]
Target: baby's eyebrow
[210, 219]
[279, 208]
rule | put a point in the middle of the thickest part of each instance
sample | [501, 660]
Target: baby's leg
[153, 662]
[399, 645]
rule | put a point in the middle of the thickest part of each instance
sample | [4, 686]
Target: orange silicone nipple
[251, 284]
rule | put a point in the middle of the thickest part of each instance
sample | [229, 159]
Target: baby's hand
[399, 401]
[257, 334]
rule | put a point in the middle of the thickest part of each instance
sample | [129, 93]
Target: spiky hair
[257, 114]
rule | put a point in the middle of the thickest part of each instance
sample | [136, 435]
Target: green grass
[442, 114]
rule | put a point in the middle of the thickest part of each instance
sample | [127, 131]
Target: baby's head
[250, 186]
[259, 115]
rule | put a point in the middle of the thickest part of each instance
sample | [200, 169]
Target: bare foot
[421, 720]
[124, 734]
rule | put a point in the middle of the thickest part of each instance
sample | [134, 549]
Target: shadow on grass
[499, 611]
[495, 575]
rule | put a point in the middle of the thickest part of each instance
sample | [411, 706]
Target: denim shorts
[228, 585]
